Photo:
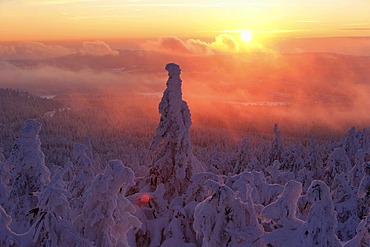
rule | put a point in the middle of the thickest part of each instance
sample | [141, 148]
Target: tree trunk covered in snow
[173, 162]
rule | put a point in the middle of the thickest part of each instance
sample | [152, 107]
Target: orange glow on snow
[145, 198]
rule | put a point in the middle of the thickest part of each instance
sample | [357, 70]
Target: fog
[227, 85]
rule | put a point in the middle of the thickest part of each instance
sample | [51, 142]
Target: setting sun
[246, 35]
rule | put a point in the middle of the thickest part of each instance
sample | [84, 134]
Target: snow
[276, 194]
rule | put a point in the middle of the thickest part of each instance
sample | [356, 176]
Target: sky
[39, 20]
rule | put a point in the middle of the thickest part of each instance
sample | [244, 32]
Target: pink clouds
[38, 50]
[33, 50]
[222, 43]
[97, 48]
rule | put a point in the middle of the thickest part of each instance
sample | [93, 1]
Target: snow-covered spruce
[283, 211]
[101, 216]
[224, 220]
[283, 214]
[277, 146]
[362, 237]
[52, 227]
[173, 162]
[338, 162]
[364, 187]
[319, 227]
[7, 236]
[345, 204]
[84, 174]
[28, 176]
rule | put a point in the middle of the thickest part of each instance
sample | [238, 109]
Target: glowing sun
[246, 35]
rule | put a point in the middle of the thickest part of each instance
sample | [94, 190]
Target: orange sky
[98, 19]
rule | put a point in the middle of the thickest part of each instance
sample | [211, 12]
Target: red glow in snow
[145, 198]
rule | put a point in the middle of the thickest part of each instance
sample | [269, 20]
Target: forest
[97, 168]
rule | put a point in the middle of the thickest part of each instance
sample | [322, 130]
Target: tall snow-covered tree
[98, 218]
[173, 162]
[277, 146]
[28, 175]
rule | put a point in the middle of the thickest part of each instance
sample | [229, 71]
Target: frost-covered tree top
[31, 128]
[173, 162]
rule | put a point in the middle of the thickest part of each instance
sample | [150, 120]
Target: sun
[246, 35]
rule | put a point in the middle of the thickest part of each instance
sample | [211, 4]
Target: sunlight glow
[246, 35]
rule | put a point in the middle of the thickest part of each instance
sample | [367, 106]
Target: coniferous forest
[73, 173]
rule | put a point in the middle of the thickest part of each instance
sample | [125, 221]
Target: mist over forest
[252, 89]
[262, 147]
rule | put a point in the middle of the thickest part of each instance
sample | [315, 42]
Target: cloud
[356, 29]
[96, 48]
[37, 50]
[223, 43]
[33, 50]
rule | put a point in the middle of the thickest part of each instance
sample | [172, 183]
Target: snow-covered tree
[153, 211]
[84, 174]
[173, 162]
[314, 160]
[277, 146]
[293, 159]
[179, 231]
[362, 237]
[283, 211]
[355, 174]
[98, 218]
[345, 204]
[267, 193]
[364, 187]
[223, 220]
[276, 175]
[53, 228]
[2, 157]
[338, 162]
[243, 158]
[28, 175]
[319, 227]
[4, 189]
[124, 218]
[283, 214]
[7, 237]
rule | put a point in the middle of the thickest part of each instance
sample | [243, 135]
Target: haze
[306, 65]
